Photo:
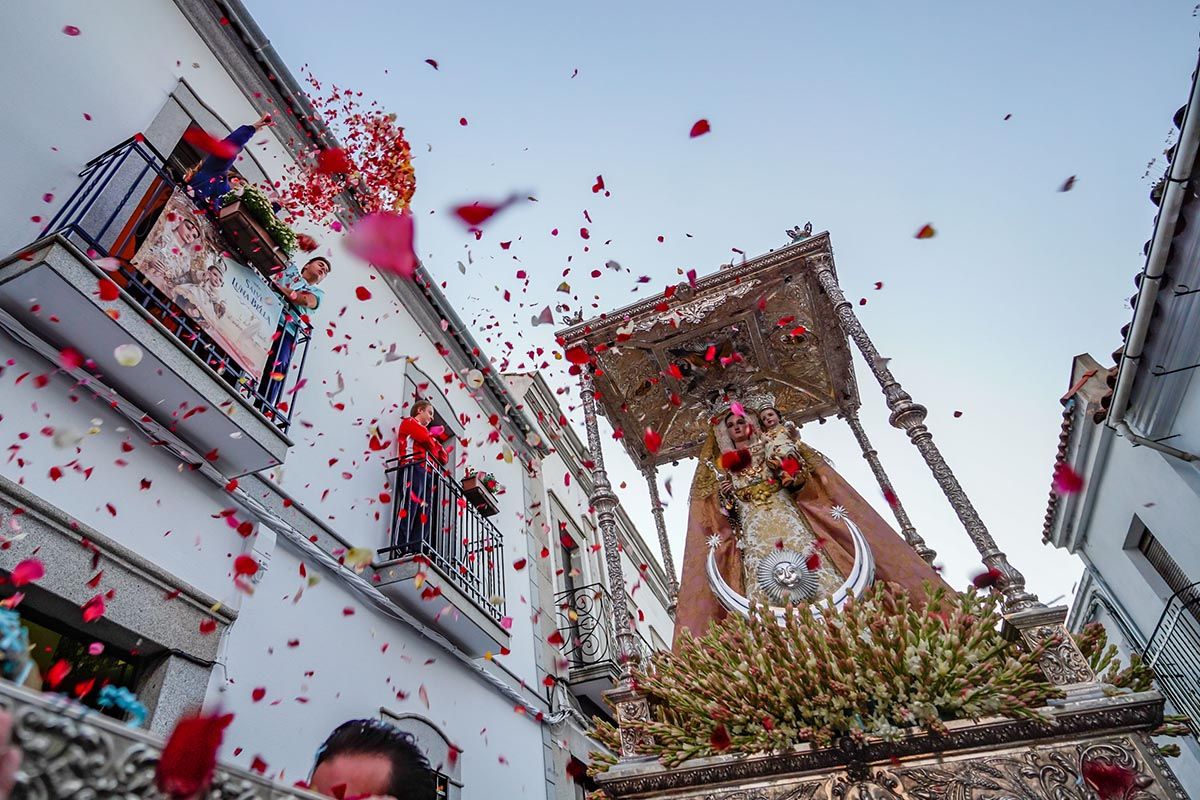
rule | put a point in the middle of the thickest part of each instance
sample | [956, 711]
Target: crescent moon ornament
[784, 574]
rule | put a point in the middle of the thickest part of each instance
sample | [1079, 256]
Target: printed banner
[232, 303]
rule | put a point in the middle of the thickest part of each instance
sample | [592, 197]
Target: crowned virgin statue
[771, 522]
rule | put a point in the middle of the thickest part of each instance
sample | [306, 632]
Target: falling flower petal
[1068, 184]
[431, 62]
[71, 30]
[544, 318]
[987, 579]
[333, 162]
[362, 293]
[93, 609]
[474, 378]
[27, 571]
[926, 232]
[186, 764]
[652, 439]
[385, 239]
[205, 142]
[245, 565]
[700, 128]
[1066, 480]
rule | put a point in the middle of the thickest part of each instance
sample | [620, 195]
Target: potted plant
[250, 224]
[481, 489]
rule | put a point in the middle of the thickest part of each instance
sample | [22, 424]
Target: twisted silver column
[650, 471]
[885, 485]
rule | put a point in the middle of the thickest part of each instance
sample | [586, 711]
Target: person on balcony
[418, 450]
[371, 758]
[299, 285]
[210, 182]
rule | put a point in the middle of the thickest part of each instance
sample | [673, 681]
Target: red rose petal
[652, 439]
[71, 30]
[204, 141]
[719, 739]
[186, 765]
[333, 162]
[700, 128]
[926, 232]
[1066, 480]
[27, 571]
[93, 609]
[385, 240]
[245, 565]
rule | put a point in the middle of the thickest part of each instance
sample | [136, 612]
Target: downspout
[1178, 176]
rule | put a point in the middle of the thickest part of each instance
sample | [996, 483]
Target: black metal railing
[585, 618]
[432, 517]
[1173, 651]
[120, 195]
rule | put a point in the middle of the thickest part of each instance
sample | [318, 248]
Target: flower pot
[480, 496]
[250, 240]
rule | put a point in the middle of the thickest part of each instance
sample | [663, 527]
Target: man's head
[316, 269]
[422, 412]
[366, 757]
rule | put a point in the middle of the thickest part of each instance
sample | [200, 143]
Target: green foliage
[881, 665]
[1106, 662]
[259, 207]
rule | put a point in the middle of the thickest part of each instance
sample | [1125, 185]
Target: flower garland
[260, 208]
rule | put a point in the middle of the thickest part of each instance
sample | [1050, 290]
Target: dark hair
[411, 777]
[320, 258]
[417, 406]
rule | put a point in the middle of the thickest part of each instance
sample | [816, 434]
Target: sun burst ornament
[784, 576]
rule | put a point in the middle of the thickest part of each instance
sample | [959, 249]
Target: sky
[869, 119]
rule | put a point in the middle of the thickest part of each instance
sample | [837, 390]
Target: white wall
[120, 70]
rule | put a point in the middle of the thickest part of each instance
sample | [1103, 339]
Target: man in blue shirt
[211, 181]
[299, 285]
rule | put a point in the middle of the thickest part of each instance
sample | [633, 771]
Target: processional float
[775, 332]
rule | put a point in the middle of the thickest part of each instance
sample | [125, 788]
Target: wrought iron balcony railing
[1173, 651]
[585, 618]
[121, 194]
[432, 517]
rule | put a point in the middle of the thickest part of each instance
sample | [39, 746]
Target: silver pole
[656, 508]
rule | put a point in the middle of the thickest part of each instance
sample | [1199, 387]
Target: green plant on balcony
[259, 207]
[881, 665]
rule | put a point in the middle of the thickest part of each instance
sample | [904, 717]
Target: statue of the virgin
[780, 522]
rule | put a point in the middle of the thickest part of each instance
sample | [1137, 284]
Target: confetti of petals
[205, 142]
[652, 439]
[1108, 780]
[56, 673]
[108, 289]
[333, 162]
[1068, 184]
[207, 626]
[385, 239]
[357, 558]
[700, 128]
[432, 62]
[128, 355]
[245, 565]
[69, 358]
[362, 293]
[306, 242]
[576, 355]
[186, 765]
[543, 318]
[71, 30]
[1066, 480]
[719, 739]
[258, 694]
[27, 571]
[926, 232]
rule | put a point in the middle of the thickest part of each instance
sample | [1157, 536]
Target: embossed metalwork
[764, 322]
[1124, 718]
[650, 471]
[910, 417]
[1061, 662]
[885, 485]
[71, 751]
[605, 503]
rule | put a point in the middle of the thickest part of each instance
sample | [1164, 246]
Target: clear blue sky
[870, 119]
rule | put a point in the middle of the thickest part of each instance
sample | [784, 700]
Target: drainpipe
[1156, 266]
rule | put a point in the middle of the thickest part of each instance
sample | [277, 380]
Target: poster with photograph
[232, 303]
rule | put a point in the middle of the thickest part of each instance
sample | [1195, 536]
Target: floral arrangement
[374, 161]
[881, 665]
[488, 481]
[260, 208]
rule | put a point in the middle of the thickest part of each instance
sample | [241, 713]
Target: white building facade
[1132, 433]
[139, 486]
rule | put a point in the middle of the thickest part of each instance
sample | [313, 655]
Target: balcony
[216, 342]
[445, 561]
[585, 619]
[1174, 651]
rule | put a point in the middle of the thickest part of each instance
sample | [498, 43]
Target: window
[52, 641]
[1158, 558]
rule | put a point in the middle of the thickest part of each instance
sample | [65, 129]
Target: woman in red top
[420, 508]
